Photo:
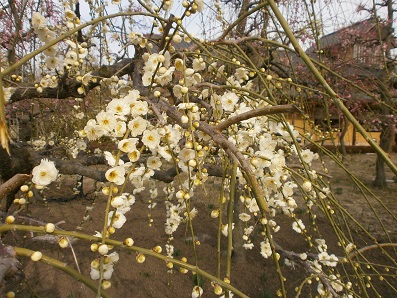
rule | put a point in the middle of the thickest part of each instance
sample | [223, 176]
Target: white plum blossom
[241, 74]
[106, 120]
[151, 139]
[198, 64]
[116, 175]
[197, 292]
[298, 226]
[134, 155]
[248, 246]
[118, 106]
[116, 220]
[253, 206]
[153, 162]
[39, 22]
[93, 131]
[244, 217]
[225, 229]
[137, 126]
[138, 108]
[44, 173]
[128, 145]
[307, 186]
[229, 101]
[308, 156]
[328, 260]
[266, 250]
[120, 129]
[111, 160]
[336, 283]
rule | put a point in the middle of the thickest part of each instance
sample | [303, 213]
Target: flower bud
[140, 258]
[10, 219]
[94, 247]
[106, 284]
[215, 213]
[129, 242]
[49, 228]
[24, 188]
[36, 256]
[157, 249]
[63, 242]
[103, 249]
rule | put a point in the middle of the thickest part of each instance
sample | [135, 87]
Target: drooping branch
[222, 142]
[335, 98]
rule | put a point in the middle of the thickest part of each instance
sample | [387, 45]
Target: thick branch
[11, 184]
[68, 88]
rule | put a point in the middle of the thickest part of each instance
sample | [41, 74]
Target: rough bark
[12, 184]
[23, 159]
[9, 265]
[67, 87]
[386, 141]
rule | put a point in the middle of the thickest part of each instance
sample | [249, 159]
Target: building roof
[362, 31]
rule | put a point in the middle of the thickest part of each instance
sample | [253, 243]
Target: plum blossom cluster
[146, 140]
[74, 56]
[125, 120]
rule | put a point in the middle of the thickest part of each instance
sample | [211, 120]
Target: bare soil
[252, 274]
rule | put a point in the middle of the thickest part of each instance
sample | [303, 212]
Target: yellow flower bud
[49, 228]
[103, 249]
[140, 258]
[94, 247]
[129, 242]
[157, 249]
[183, 270]
[106, 284]
[10, 219]
[36, 256]
[218, 289]
[105, 191]
[95, 264]
[63, 242]
[24, 188]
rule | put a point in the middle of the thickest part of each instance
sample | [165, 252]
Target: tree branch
[11, 184]
[68, 87]
[270, 110]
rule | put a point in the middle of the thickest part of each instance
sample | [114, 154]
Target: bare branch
[11, 184]
[270, 110]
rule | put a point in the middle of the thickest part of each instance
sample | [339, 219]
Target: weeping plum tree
[180, 109]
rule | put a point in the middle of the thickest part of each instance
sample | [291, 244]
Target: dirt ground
[255, 276]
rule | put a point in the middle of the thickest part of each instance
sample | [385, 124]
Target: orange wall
[305, 127]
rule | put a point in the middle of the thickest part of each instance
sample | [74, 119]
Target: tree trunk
[386, 141]
[242, 26]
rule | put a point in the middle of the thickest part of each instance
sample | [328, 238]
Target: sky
[335, 14]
